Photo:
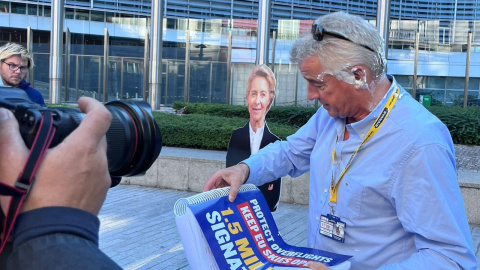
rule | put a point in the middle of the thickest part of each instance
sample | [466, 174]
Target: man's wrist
[245, 170]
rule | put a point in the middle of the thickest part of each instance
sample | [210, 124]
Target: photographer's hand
[72, 174]
[233, 176]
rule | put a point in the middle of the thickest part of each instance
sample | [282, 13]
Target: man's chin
[333, 114]
[13, 83]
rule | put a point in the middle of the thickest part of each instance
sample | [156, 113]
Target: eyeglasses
[318, 32]
[13, 67]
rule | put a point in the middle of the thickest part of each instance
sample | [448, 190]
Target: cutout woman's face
[258, 99]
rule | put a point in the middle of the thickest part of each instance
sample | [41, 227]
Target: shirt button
[317, 218]
[325, 190]
[363, 135]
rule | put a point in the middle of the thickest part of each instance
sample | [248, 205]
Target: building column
[56, 50]
[156, 28]
[383, 25]
[263, 37]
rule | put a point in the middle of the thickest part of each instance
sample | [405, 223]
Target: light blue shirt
[400, 197]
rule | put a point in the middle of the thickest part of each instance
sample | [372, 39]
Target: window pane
[32, 10]
[69, 13]
[5, 37]
[455, 83]
[81, 15]
[3, 7]
[405, 81]
[98, 16]
[473, 83]
[47, 11]
[435, 82]
[110, 17]
[19, 8]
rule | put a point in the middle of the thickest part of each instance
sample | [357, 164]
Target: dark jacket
[239, 149]
[58, 238]
[32, 93]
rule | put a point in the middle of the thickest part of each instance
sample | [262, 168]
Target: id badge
[332, 227]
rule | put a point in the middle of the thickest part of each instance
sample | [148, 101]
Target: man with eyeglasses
[383, 183]
[15, 62]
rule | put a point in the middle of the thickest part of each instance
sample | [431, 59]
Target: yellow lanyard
[375, 127]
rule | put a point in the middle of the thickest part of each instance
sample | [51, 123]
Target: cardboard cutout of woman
[246, 141]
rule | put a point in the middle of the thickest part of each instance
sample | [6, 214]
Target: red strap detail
[26, 178]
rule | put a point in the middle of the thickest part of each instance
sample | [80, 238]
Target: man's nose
[313, 92]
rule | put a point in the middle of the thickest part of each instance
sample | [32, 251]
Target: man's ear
[360, 75]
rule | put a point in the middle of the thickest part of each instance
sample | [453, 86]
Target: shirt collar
[363, 126]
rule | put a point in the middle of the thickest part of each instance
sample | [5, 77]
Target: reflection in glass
[110, 17]
[42, 66]
[175, 81]
[19, 8]
[47, 11]
[69, 13]
[3, 7]
[97, 16]
[208, 57]
[82, 15]
[32, 9]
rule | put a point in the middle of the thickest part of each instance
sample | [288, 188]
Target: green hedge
[205, 131]
[284, 115]
[209, 126]
[463, 123]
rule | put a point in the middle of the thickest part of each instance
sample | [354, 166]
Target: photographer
[57, 227]
[15, 62]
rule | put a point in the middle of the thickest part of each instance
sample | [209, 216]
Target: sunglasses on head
[318, 32]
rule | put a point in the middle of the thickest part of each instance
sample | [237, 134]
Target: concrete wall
[190, 174]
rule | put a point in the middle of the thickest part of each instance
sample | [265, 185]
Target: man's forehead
[311, 67]
[16, 59]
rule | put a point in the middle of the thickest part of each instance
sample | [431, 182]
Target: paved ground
[138, 227]
[467, 158]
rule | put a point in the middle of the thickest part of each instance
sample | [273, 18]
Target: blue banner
[243, 235]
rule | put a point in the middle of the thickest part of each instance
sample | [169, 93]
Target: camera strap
[25, 180]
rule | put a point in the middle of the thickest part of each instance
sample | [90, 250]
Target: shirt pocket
[349, 198]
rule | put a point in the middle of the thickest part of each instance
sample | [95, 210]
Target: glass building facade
[201, 71]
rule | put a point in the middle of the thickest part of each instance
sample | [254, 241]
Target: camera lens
[133, 139]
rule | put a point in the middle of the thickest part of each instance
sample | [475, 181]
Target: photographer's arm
[71, 185]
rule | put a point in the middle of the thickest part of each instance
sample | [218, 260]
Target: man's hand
[317, 266]
[72, 174]
[233, 176]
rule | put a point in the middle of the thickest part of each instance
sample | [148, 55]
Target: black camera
[134, 140]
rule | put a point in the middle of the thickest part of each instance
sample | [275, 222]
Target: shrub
[205, 131]
[213, 109]
[209, 126]
[463, 123]
[286, 115]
